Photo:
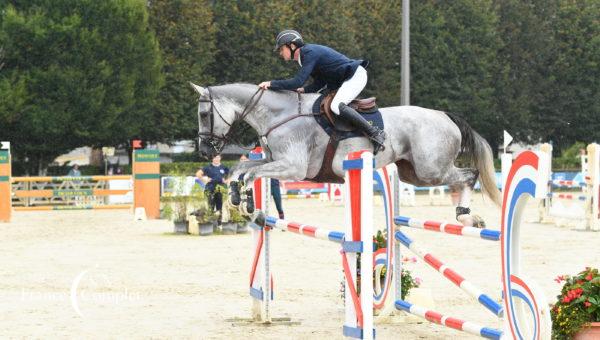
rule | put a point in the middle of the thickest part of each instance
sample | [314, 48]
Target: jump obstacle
[335, 193]
[585, 216]
[524, 308]
[82, 192]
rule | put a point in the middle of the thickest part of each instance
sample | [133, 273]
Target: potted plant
[240, 221]
[175, 209]
[206, 218]
[576, 314]
[406, 279]
[181, 202]
[232, 220]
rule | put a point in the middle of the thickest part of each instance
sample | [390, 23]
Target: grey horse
[423, 143]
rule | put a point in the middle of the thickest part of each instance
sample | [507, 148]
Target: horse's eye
[204, 109]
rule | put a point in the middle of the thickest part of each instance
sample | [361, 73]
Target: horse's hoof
[466, 220]
[234, 200]
[234, 194]
[259, 218]
[248, 178]
[247, 208]
[249, 201]
[478, 221]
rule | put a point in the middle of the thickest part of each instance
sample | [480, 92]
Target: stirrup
[377, 145]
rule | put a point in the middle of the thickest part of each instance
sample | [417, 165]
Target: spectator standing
[213, 175]
[74, 172]
[276, 193]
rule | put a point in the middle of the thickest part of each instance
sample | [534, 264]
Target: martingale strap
[326, 174]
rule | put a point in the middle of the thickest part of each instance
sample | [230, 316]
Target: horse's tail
[479, 154]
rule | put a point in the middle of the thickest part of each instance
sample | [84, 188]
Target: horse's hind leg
[462, 180]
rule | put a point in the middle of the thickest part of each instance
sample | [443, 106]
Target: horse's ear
[201, 90]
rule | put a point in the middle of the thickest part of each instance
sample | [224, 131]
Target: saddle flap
[325, 107]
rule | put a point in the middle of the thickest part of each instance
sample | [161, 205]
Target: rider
[330, 69]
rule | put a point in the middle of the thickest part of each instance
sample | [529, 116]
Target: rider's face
[285, 52]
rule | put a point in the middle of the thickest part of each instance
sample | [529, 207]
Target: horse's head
[214, 122]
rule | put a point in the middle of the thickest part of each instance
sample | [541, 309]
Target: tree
[77, 72]
[245, 38]
[186, 35]
[453, 50]
[378, 27]
[523, 47]
[571, 107]
[328, 23]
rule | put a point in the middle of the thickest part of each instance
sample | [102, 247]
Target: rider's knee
[335, 106]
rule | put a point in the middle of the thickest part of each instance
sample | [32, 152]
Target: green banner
[146, 155]
[4, 178]
[72, 178]
[147, 176]
[4, 157]
[69, 193]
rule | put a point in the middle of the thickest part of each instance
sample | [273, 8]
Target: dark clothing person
[326, 66]
[216, 173]
[276, 193]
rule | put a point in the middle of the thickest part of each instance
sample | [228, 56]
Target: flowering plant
[406, 279]
[578, 303]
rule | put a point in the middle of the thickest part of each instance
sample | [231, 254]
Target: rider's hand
[300, 90]
[265, 85]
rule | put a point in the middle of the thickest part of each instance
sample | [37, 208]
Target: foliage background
[101, 73]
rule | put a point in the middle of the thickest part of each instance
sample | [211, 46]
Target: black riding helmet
[286, 37]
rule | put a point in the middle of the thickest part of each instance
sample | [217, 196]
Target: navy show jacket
[326, 65]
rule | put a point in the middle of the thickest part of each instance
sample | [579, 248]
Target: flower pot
[588, 332]
[181, 227]
[242, 228]
[206, 228]
[229, 228]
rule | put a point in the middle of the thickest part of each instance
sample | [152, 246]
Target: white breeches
[349, 89]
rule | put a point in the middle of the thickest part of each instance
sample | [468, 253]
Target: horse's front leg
[243, 167]
[285, 169]
[234, 187]
[281, 169]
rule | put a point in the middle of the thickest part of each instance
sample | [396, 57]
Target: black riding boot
[375, 134]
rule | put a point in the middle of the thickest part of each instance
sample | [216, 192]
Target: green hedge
[188, 168]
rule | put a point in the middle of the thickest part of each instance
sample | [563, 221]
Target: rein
[300, 114]
[211, 137]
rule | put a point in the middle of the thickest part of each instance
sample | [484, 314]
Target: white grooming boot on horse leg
[463, 213]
